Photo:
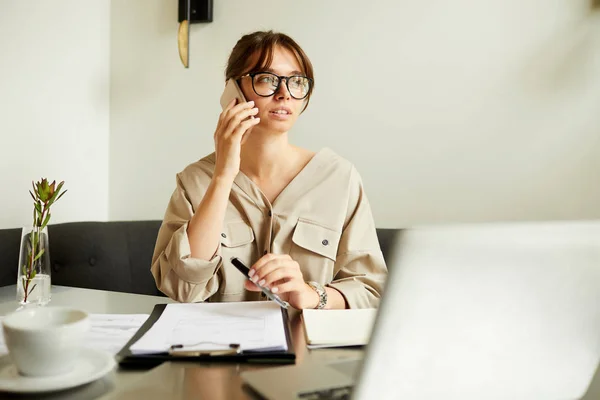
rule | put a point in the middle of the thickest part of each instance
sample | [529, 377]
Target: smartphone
[232, 91]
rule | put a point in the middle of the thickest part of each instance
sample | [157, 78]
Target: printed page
[110, 332]
[214, 326]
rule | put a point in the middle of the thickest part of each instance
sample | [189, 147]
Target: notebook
[338, 328]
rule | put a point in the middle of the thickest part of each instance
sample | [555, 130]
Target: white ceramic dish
[90, 365]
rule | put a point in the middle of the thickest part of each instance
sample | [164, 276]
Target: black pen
[244, 270]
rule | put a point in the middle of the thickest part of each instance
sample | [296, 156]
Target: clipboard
[126, 359]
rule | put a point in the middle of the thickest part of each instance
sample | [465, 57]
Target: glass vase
[33, 278]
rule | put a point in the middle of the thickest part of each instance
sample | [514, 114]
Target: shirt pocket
[237, 240]
[314, 247]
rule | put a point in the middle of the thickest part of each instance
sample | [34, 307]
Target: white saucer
[92, 365]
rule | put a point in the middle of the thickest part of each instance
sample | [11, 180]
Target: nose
[282, 91]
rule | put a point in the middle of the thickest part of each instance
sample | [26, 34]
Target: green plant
[44, 195]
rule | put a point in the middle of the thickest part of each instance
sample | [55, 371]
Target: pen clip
[179, 350]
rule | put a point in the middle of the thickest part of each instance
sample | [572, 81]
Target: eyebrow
[295, 72]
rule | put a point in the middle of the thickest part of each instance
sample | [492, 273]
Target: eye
[266, 79]
[298, 82]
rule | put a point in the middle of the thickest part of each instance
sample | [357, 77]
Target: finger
[231, 104]
[248, 285]
[287, 287]
[237, 134]
[244, 113]
[262, 261]
[230, 126]
[259, 276]
[234, 140]
[246, 134]
[243, 127]
[290, 270]
[280, 282]
[229, 113]
[239, 106]
[228, 107]
[237, 118]
[278, 274]
[224, 113]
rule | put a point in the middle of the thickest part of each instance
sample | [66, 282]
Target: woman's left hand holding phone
[233, 126]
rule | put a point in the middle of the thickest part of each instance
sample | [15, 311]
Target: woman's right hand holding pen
[232, 129]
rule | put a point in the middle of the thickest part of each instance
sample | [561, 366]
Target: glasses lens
[265, 84]
[298, 86]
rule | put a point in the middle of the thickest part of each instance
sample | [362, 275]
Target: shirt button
[325, 242]
[270, 213]
[223, 235]
[265, 252]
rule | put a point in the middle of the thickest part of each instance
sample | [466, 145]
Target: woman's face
[278, 112]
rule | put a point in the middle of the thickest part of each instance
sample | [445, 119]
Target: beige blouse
[322, 219]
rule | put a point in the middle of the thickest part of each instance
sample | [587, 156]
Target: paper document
[108, 332]
[338, 328]
[214, 326]
[111, 332]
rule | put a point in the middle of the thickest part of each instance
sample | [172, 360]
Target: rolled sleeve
[187, 268]
[176, 273]
[360, 270]
[361, 279]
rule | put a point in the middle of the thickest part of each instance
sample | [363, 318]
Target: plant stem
[34, 250]
[32, 288]
[30, 267]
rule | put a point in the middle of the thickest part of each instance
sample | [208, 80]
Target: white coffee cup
[45, 341]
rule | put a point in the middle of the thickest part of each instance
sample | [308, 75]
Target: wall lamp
[191, 12]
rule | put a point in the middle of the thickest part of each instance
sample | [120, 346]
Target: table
[170, 380]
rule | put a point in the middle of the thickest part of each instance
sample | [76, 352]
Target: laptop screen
[494, 311]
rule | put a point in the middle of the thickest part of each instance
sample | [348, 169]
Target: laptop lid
[490, 311]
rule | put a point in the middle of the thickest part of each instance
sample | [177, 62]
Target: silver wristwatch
[321, 292]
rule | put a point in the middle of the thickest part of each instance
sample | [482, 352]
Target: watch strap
[317, 287]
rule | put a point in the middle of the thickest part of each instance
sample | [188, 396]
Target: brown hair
[263, 44]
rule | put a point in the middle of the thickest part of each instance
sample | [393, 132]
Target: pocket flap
[316, 238]
[237, 233]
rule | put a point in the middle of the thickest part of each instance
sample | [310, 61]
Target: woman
[300, 219]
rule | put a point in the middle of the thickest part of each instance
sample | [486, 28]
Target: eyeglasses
[266, 84]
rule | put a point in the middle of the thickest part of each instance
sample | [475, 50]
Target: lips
[281, 111]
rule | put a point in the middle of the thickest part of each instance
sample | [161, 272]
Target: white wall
[54, 111]
[467, 110]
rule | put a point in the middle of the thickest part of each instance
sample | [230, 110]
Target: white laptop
[483, 311]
